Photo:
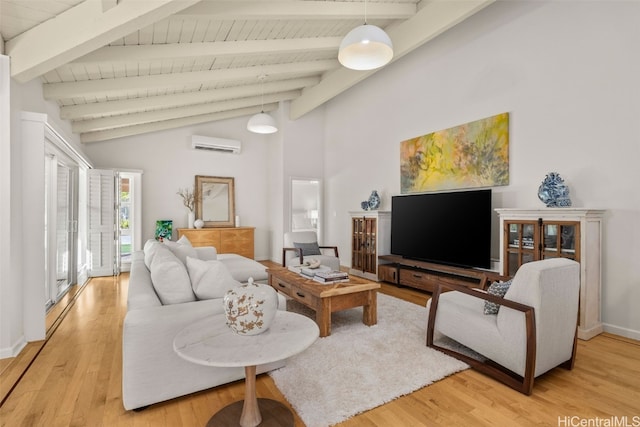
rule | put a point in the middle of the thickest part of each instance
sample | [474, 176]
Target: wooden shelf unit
[574, 233]
[370, 237]
[232, 240]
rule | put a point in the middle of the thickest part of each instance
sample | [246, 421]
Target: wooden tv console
[424, 275]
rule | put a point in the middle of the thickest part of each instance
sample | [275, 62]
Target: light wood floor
[75, 380]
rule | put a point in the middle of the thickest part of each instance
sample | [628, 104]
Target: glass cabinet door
[357, 244]
[363, 245]
[560, 239]
[527, 241]
[521, 244]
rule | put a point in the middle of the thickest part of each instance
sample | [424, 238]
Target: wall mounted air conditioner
[210, 143]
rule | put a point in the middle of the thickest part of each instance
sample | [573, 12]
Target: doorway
[60, 227]
[306, 208]
[128, 214]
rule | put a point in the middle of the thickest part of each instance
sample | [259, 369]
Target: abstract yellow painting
[475, 154]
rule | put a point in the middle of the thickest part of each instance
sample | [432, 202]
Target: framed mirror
[215, 201]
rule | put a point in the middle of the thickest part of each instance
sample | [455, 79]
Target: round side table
[211, 342]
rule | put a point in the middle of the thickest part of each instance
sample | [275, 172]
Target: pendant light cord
[365, 12]
[262, 78]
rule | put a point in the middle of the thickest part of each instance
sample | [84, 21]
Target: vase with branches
[189, 198]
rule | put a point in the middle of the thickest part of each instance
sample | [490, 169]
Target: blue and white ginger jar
[374, 200]
[553, 192]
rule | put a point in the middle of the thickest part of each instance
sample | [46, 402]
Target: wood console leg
[250, 410]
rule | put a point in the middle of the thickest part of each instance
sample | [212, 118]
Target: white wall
[567, 72]
[260, 171]
[22, 304]
[169, 163]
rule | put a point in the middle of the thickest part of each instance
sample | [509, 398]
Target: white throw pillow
[170, 278]
[209, 279]
[150, 248]
[182, 249]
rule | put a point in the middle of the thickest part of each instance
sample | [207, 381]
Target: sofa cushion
[182, 249]
[150, 248]
[209, 279]
[170, 278]
[241, 268]
[206, 253]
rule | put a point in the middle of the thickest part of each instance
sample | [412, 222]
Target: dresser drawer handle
[300, 295]
[281, 285]
[417, 276]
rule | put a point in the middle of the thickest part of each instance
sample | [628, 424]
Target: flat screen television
[452, 228]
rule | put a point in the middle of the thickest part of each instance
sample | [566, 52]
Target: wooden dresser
[233, 240]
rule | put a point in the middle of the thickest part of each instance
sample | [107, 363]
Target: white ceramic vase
[191, 217]
[198, 223]
[250, 308]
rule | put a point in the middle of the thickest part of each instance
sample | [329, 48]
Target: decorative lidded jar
[250, 308]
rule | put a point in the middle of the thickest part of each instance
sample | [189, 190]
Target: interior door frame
[319, 220]
[56, 158]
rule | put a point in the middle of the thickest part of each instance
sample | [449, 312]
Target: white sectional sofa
[151, 371]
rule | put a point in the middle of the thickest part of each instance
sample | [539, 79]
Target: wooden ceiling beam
[80, 30]
[122, 85]
[172, 124]
[124, 120]
[83, 111]
[135, 53]
[432, 20]
[296, 9]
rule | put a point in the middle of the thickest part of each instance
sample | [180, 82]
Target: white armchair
[300, 246]
[534, 330]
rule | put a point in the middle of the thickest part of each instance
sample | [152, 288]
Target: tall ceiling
[125, 67]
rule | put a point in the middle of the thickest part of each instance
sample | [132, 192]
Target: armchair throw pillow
[308, 248]
[498, 289]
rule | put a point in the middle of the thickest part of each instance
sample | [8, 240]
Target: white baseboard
[623, 332]
[14, 350]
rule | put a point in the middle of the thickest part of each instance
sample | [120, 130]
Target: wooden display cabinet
[536, 234]
[528, 241]
[370, 237]
[232, 240]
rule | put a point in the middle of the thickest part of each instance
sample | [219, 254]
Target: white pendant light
[366, 47]
[262, 122]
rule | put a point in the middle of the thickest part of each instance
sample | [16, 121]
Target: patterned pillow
[498, 289]
[308, 248]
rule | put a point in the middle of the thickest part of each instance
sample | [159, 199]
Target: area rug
[357, 367]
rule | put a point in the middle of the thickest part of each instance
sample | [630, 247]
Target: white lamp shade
[366, 47]
[262, 123]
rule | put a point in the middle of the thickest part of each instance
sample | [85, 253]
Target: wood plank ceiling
[125, 67]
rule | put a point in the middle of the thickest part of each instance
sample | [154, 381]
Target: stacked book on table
[332, 276]
[322, 274]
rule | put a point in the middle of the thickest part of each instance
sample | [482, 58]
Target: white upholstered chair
[300, 246]
[533, 332]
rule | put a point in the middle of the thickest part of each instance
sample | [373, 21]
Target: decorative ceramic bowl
[250, 308]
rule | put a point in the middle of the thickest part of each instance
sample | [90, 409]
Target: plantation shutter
[102, 225]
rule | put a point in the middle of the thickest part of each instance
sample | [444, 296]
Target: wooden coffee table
[325, 299]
